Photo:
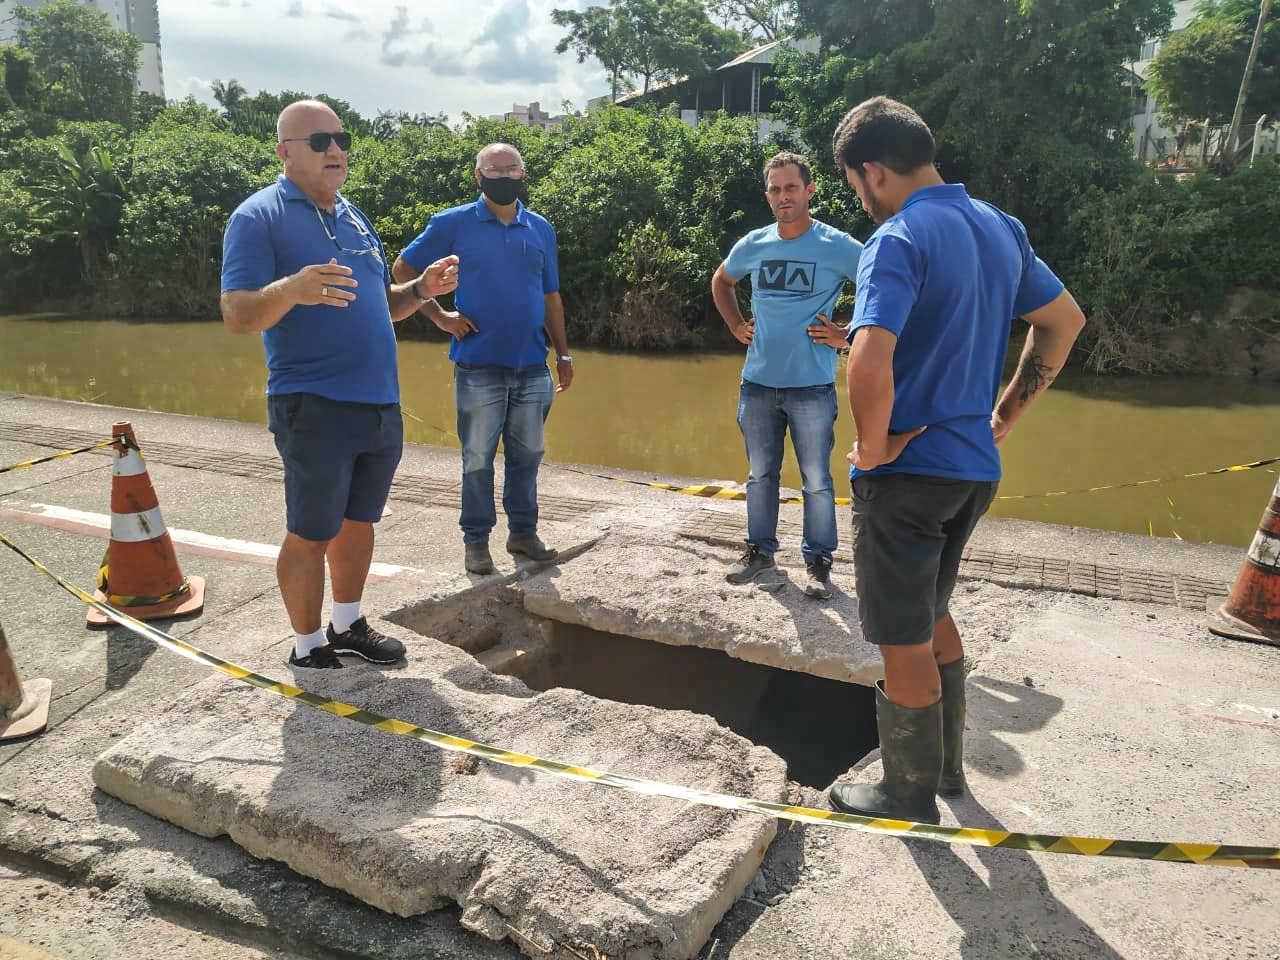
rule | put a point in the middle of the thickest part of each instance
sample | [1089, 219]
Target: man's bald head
[303, 117]
[317, 173]
[501, 154]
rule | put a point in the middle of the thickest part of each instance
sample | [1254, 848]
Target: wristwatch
[564, 358]
[413, 288]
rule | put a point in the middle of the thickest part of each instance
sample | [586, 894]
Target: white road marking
[192, 538]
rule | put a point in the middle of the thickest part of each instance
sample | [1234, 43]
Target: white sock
[344, 615]
[304, 643]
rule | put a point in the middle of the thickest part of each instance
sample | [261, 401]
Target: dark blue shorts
[909, 535]
[339, 460]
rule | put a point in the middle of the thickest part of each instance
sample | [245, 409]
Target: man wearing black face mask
[507, 311]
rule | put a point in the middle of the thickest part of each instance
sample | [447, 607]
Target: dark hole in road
[820, 727]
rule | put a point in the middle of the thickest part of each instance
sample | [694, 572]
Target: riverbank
[1099, 706]
[675, 414]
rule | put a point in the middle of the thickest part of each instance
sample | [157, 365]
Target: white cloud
[379, 55]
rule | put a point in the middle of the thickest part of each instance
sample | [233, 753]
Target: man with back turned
[938, 284]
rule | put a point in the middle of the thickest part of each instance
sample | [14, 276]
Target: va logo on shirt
[788, 276]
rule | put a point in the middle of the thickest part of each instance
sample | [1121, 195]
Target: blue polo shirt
[946, 275]
[341, 353]
[504, 274]
[792, 281]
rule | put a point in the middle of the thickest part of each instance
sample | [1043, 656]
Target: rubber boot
[911, 751]
[952, 783]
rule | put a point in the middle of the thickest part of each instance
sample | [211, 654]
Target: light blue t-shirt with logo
[792, 281]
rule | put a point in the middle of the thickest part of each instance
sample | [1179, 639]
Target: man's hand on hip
[869, 456]
[456, 324]
[745, 331]
[828, 334]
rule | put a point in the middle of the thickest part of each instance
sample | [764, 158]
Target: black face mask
[501, 190]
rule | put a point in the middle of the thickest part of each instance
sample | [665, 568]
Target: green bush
[185, 175]
[1165, 253]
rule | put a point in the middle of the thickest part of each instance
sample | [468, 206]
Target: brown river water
[673, 414]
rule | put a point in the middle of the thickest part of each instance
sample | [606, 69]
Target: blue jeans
[511, 403]
[765, 414]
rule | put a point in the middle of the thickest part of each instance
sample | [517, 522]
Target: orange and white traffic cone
[24, 707]
[140, 573]
[1252, 610]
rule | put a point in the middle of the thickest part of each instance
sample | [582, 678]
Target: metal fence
[1201, 144]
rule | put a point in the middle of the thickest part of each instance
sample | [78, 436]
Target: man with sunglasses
[508, 309]
[306, 269]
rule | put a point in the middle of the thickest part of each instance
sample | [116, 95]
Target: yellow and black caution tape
[1238, 468]
[66, 453]
[1212, 854]
[737, 493]
[124, 600]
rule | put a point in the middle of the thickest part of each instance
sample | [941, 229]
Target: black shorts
[909, 533]
[339, 460]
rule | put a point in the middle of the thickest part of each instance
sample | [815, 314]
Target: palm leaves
[80, 197]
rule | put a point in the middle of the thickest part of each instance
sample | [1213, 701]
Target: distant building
[1150, 140]
[139, 17]
[531, 115]
[736, 87]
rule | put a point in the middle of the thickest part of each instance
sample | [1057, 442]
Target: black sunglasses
[319, 142]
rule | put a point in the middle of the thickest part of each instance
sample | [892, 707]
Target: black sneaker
[321, 658]
[364, 641]
[749, 567]
[818, 583]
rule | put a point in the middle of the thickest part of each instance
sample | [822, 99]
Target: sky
[433, 56]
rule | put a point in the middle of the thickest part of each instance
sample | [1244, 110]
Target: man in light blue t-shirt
[940, 281]
[798, 266]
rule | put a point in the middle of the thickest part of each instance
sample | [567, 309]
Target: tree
[79, 197]
[88, 69]
[256, 116]
[1196, 73]
[185, 174]
[755, 19]
[18, 79]
[1251, 63]
[1026, 98]
[389, 124]
[229, 95]
[597, 32]
[674, 38]
[654, 40]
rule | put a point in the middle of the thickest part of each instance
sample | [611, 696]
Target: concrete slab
[409, 828]
[646, 585]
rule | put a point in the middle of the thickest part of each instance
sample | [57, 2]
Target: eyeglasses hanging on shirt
[365, 235]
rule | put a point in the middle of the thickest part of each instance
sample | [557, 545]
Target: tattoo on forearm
[1033, 376]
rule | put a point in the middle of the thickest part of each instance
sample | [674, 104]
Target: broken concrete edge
[162, 783]
[316, 920]
[39, 841]
[731, 643]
